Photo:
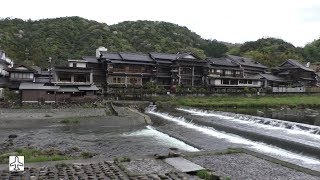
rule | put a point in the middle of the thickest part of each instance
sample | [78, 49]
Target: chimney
[100, 50]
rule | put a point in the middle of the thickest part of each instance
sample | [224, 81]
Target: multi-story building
[226, 75]
[296, 73]
[248, 65]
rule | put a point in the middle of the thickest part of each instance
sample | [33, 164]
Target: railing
[288, 89]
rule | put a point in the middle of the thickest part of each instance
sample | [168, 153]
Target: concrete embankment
[293, 146]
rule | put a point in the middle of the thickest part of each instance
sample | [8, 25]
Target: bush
[87, 154]
[204, 174]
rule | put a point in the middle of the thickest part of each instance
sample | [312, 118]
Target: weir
[291, 139]
[300, 128]
[286, 155]
[163, 138]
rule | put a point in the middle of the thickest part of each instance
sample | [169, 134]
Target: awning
[88, 88]
[37, 86]
[68, 89]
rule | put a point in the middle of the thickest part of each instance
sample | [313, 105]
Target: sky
[235, 21]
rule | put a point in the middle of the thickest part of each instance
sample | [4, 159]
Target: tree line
[33, 42]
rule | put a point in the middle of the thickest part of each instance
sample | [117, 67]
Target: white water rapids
[274, 151]
[163, 139]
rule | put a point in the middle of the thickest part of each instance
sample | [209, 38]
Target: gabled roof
[111, 56]
[271, 77]
[187, 55]
[37, 86]
[221, 62]
[21, 68]
[243, 61]
[135, 57]
[163, 56]
[296, 64]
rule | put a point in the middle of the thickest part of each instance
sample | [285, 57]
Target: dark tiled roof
[221, 62]
[163, 56]
[246, 61]
[36, 86]
[111, 56]
[298, 65]
[90, 59]
[135, 57]
[271, 77]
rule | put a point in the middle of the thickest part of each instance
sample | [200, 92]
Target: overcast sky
[236, 21]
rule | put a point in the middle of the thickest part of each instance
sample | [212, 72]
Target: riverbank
[303, 101]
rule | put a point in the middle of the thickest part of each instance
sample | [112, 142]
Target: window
[237, 72]
[249, 81]
[225, 81]
[228, 73]
[218, 71]
[234, 82]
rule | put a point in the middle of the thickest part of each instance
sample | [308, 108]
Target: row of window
[21, 75]
[122, 80]
[225, 72]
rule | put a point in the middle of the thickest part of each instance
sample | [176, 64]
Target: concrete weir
[287, 150]
[269, 135]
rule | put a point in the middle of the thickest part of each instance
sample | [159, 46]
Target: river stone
[12, 136]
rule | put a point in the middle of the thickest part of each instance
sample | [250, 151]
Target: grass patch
[35, 155]
[245, 102]
[87, 155]
[70, 120]
[207, 175]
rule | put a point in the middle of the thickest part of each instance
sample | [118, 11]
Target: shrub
[87, 154]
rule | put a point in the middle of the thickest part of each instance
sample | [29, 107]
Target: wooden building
[181, 69]
[295, 73]
[248, 65]
[19, 74]
[127, 70]
[226, 75]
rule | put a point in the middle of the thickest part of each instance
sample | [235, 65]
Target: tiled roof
[298, 65]
[271, 77]
[163, 56]
[111, 56]
[135, 57]
[246, 61]
[40, 86]
[221, 62]
[90, 59]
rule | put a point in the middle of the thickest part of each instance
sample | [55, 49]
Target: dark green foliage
[311, 52]
[207, 175]
[33, 42]
[214, 48]
[268, 51]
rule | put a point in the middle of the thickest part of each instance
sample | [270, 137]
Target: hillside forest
[33, 42]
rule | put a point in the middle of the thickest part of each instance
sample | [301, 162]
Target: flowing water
[238, 141]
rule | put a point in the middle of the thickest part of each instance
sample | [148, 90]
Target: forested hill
[32, 42]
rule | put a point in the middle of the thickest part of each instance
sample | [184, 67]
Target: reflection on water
[307, 116]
